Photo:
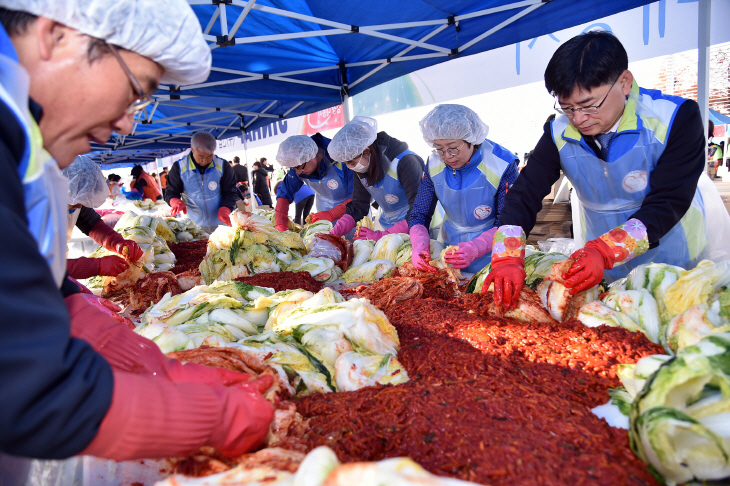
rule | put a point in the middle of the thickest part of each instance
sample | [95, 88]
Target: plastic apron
[202, 194]
[331, 189]
[471, 210]
[611, 191]
[389, 193]
[45, 188]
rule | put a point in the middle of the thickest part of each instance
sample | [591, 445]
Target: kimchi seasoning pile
[490, 400]
[284, 281]
[188, 255]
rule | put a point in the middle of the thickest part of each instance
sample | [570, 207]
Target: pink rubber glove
[113, 241]
[178, 206]
[343, 225]
[281, 214]
[368, 234]
[421, 243]
[151, 417]
[127, 351]
[471, 250]
[224, 215]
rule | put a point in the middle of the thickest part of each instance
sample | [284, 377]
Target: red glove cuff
[281, 214]
[104, 235]
[609, 259]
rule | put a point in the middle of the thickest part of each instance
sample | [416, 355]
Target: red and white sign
[324, 120]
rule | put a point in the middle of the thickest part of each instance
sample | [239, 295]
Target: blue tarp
[718, 118]
[259, 78]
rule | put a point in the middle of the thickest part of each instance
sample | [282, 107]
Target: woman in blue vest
[387, 173]
[635, 158]
[310, 164]
[469, 174]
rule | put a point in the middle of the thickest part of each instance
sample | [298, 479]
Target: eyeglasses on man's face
[143, 99]
[452, 151]
[586, 110]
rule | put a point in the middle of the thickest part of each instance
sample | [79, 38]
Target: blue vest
[389, 192]
[611, 191]
[331, 189]
[202, 191]
[45, 188]
[472, 209]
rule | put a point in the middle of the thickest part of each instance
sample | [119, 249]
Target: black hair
[136, 171]
[257, 164]
[236, 160]
[586, 61]
[710, 129]
[16, 22]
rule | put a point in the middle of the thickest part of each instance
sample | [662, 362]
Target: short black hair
[16, 22]
[236, 160]
[587, 61]
[257, 164]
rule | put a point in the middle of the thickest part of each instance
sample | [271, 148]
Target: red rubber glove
[151, 417]
[333, 214]
[343, 226]
[113, 241]
[421, 243]
[127, 351]
[587, 271]
[508, 275]
[281, 214]
[111, 266]
[224, 215]
[178, 206]
[363, 233]
[471, 250]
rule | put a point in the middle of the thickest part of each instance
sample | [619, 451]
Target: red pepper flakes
[490, 400]
[188, 255]
[284, 281]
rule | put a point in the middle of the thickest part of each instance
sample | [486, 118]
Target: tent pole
[346, 108]
[703, 61]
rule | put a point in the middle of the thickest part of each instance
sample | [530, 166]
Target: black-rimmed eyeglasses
[143, 99]
[586, 110]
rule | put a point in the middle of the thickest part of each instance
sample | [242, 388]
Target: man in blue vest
[74, 379]
[309, 163]
[202, 185]
[633, 156]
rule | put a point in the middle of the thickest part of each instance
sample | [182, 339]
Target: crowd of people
[77, 381]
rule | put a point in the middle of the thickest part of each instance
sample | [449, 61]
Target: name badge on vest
[332, 184]
[635, 181]
[212, 185]
[482, 212]
[391, 198]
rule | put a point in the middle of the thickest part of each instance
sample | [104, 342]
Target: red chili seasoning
[490, 400]
[188, 255]
[284, 281]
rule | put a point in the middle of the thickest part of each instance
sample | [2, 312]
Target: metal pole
[346, 108]
[703, 61]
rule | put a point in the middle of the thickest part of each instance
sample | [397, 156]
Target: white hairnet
[453, 122]
[86, 184]
[296, 150]
[166, 31]
[353, 138]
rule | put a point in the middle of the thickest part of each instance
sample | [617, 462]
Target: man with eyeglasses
[633, 156]
[202, 185]
[309, 163]
[75, 380]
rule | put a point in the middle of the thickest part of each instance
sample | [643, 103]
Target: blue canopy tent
[277, 59]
